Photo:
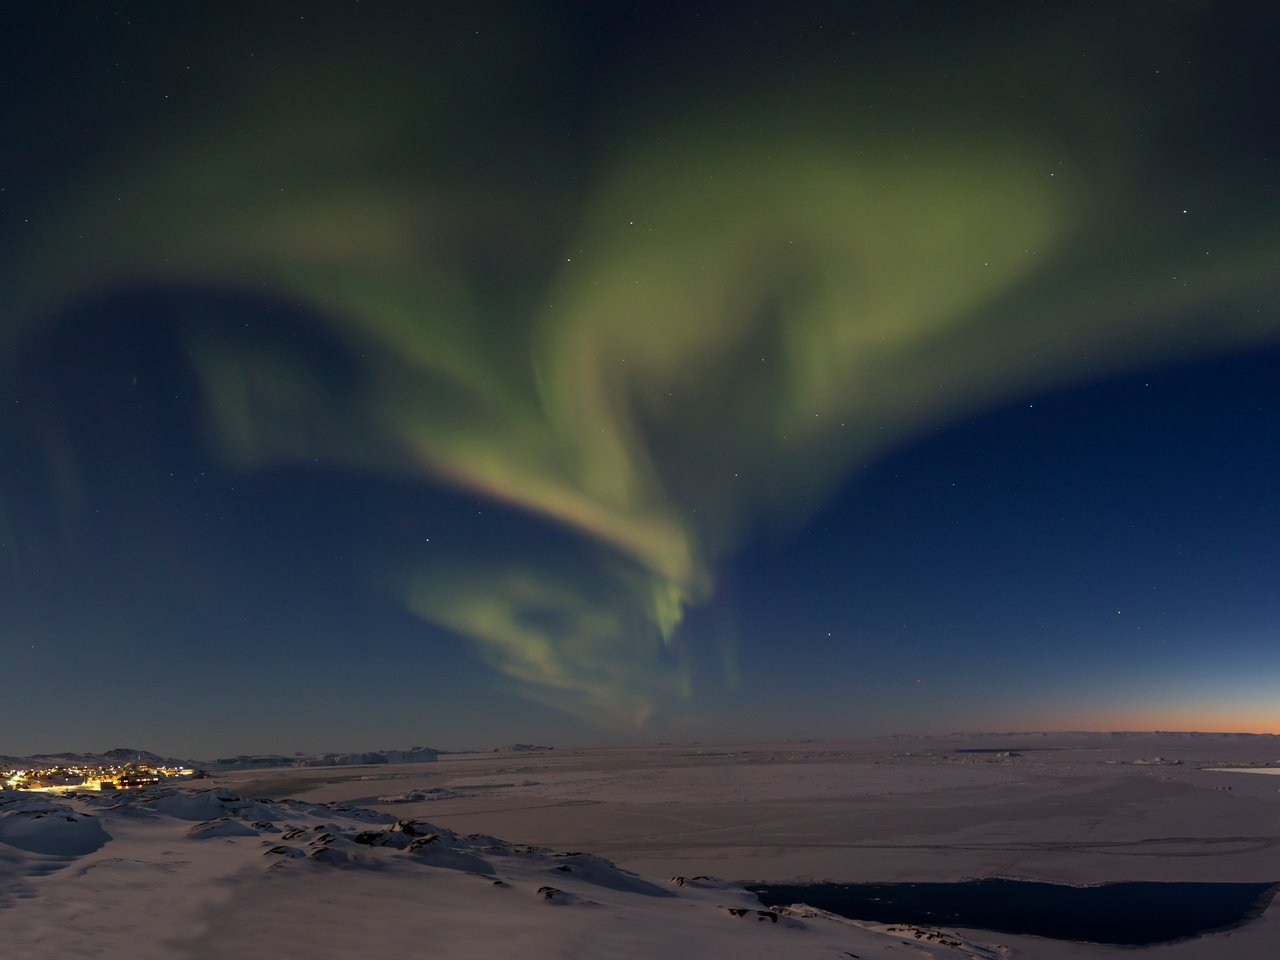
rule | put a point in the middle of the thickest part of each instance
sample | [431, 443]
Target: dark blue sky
[374, 376]
[1101, 556]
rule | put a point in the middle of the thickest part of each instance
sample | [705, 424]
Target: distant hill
[115, 757]
[412, 755]
[118, 756]
[251, 761]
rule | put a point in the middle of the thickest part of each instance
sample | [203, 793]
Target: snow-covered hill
[202, 873]
[116, 757]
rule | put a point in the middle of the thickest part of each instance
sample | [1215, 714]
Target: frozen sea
[640, 848]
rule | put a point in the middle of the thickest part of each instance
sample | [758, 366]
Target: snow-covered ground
[201, 872]
[205, 873]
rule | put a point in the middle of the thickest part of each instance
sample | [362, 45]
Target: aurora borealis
[474, 354]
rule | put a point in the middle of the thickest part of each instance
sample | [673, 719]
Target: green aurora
[683, 330]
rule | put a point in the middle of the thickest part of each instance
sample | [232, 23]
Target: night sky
[378, 374]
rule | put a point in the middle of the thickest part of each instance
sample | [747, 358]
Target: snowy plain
[320, 863]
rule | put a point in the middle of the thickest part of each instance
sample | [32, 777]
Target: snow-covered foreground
[179, 873]
[349, 867]
[1079, 809]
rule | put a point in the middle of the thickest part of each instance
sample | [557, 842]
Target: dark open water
[1131, 914]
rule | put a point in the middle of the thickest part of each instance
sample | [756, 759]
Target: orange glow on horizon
[1209, 719]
